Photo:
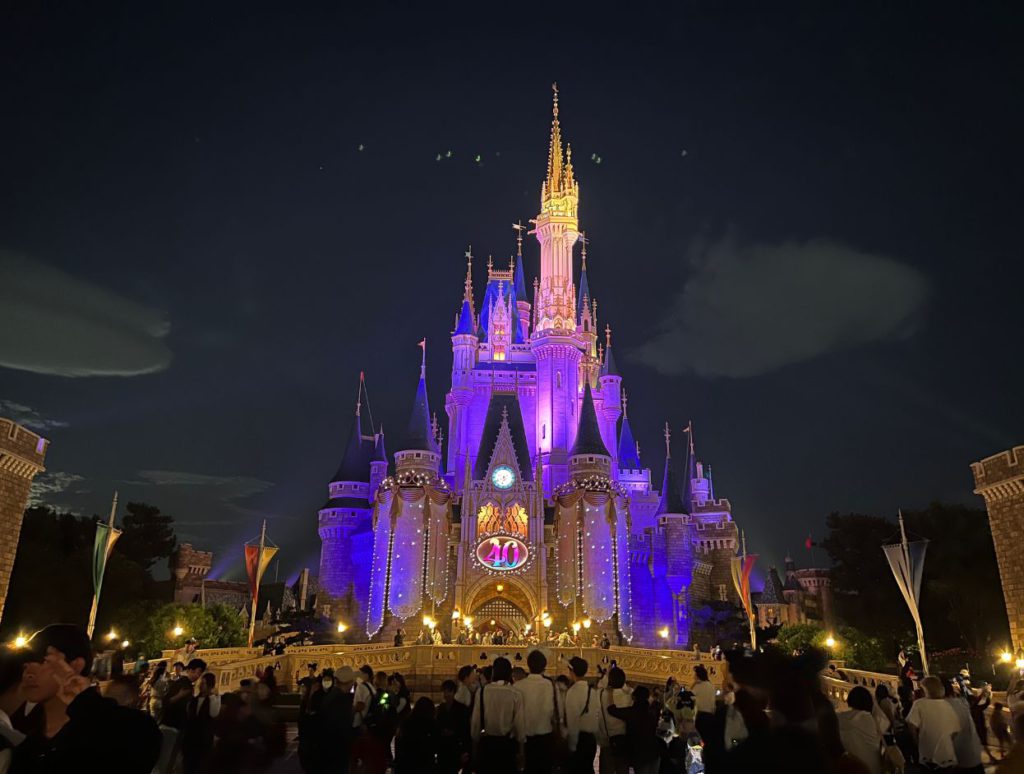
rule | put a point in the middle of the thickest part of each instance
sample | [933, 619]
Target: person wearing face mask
[326, 742]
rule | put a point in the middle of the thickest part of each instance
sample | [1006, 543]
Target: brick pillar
[21, 457]
[1000, 480]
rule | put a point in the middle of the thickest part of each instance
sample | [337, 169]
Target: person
[518, 673]
[417, 741]
[540, 705]
[179, 692]
[605, 642]
[611, 731]
[82, 731]
[498, 725]
[269, 679]
[645, 748]
[704, 698]
[124, 689]
[966, 742]
[934, 724]
[858, 729]
[368, 746]
[326, 738]
[1015, 699]
[980, 701]
[468, 680]
[197, 734]
[399, 637]
[155, 690]
[580, 713]
[400, 696]
[453, 731]
[1000, 728]
[10, 700]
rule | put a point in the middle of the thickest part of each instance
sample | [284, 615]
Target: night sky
[804, 224]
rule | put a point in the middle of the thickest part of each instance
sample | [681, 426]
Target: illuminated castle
[542, 514]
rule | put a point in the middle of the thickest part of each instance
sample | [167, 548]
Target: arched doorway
[504, 600]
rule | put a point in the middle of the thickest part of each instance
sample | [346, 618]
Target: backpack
[379, 716]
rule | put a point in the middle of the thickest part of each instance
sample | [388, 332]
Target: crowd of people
[467, 636]
[538, 714]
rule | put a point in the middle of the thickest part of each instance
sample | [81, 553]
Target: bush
[150, 627]
[857, 649]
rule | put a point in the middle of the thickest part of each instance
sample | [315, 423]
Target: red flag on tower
[809, 543]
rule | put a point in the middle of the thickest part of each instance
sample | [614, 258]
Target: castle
[805, 596]
[540, 514]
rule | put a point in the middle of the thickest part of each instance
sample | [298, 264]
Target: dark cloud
[54, 323]
[751, 309]
[47, 485]
[28, 416]
[216, 487]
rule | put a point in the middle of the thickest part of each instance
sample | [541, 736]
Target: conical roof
[628, 457]
[354, 465]
[588, 436]
[671, 491]
[772, 594]
[419, 435]
[380, 454]
[520, 281]
[609, 368]
[465, 326]
[584, 291]
[689, 473]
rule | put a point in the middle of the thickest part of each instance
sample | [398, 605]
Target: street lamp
[342, 628]
[125, 644]
[177, 631]
[111, 635]
[547, 623]
[586, 623]
[20, 641]
[663, 633]
[468, 620]
[576, 627]
[1006, 657]
[830, 643]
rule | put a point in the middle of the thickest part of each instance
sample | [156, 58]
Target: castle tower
[553, 341]
[465, 346]
[22, 454]
[611, 398]
[346, 511]
[1000, 480]
[411, 521]
[673, 565]
[592, 531]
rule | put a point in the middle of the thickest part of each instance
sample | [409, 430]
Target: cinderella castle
[540, 512]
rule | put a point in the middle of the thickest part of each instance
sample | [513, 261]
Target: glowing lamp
[125, 644]
[500, 587]
[586, 623]
[830, 642]
[527, 627]
[468, 620]
[342, 628]
[177, 631]
[1020, 663]
[455, 615]
[111, 635]
[576, 627]
[1006, 657]
[547, 622]
[663, 632]
[20, 641]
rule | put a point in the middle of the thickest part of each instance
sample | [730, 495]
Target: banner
[741, 567]
[908, 578]
[103, 546]
[255, 573]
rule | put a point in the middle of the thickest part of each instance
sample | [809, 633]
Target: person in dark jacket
[325, 743]
[453, 729]
[417, 741]
[645, 746]
[200, 715]
[82, 731]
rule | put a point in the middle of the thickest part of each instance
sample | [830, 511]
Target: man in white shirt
[858, 729]
[581, 712]
[934, 724]
[498, 725]
[704, 697]
[468, 682]
[364, 694]
[611, 732]
[967, 743]
[543, 720]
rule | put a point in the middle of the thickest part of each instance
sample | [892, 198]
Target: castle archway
[507, 601]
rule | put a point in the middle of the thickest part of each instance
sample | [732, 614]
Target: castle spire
[353, 465]
[583, 294]
[554, 181]
[610, 369]
[419, 435]
[588, 437]
[468, 293]
[520, 278]
[671, 501]
[690, 470]
[629, 452]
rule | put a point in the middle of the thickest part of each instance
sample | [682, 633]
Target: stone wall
[22, 453]
[1000, 480]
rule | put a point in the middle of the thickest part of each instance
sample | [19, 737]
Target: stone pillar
[22, 453]
[1000, 480]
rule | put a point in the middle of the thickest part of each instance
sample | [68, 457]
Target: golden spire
[469, 275]
[554, 182]
[520, 228]
[625, 402]
[584, 241]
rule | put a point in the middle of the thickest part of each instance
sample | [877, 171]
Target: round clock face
[503, 477]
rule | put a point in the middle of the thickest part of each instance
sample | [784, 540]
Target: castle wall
[22, 454]
[1000, 480]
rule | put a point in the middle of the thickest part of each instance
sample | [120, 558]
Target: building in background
[805, 596]
[539, 512]
[22, 454]
[1000, 480]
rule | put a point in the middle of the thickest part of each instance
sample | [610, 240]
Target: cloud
[50, 483]
[219, 487]
[752, 309]
[28, 416]
[54, 323]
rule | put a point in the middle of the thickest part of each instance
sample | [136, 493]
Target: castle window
[723, 594]
[543, 431]
[558, 379]
[493, 518]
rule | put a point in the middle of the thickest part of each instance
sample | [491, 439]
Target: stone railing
[425, 667]
[837, 685]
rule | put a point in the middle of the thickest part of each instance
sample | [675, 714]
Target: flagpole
[750, 618]
[917, 612]
[256, 583]
[96, 592]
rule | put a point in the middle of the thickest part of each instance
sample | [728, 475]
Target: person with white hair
[935, 725]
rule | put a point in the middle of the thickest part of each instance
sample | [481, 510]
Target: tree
[147, 535]
[857, 649]
[150, 626]
[723, 621]
[798, 638]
